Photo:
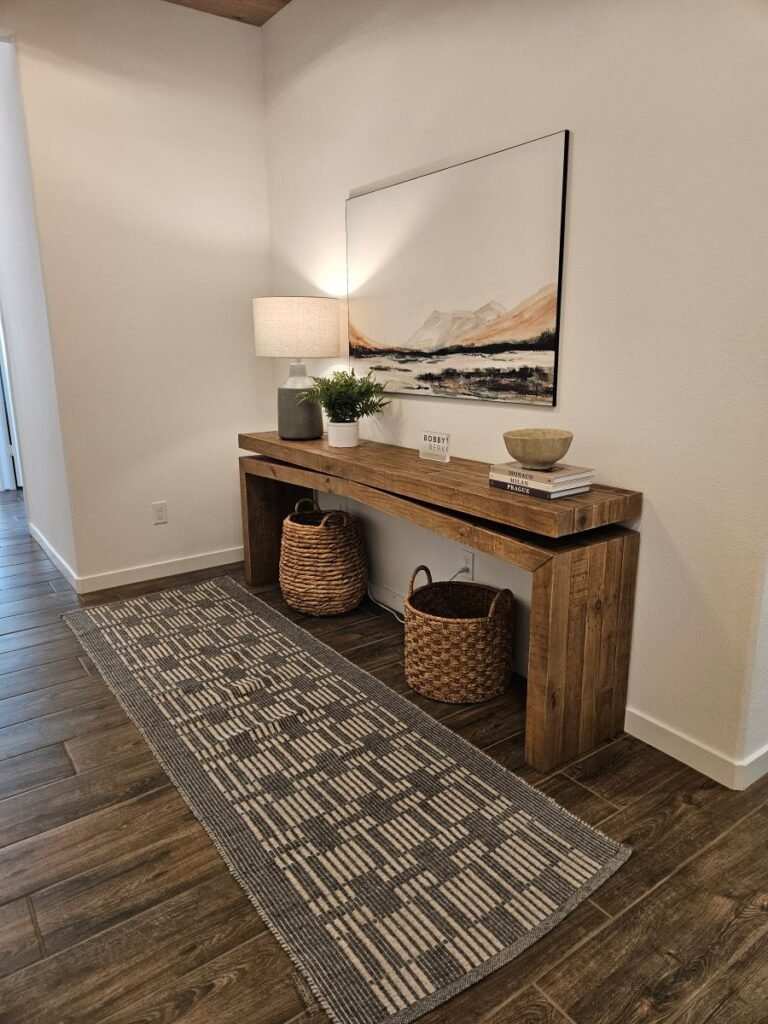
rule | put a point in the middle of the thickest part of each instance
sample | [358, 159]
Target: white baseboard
[61, 564]
[390, 598]
[156, 570]
[752, 768]
[135, 573]
[705, 759]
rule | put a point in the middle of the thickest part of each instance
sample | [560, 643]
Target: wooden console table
[584, 567]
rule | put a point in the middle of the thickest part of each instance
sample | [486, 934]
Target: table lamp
[297, 327]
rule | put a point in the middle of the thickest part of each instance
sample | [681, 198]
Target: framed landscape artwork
[454, 277]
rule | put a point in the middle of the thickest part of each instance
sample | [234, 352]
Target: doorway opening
[11, 477]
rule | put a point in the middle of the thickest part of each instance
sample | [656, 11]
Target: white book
[559, 473]
[525, 479]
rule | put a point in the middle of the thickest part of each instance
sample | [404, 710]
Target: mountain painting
[454, 277]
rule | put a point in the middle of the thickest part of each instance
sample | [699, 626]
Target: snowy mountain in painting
[442, 329]
[490, 325]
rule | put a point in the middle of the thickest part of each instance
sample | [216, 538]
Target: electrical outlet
[468, 561]
[159, 513]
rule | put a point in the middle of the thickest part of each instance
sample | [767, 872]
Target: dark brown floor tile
[310, 1017]
[254, 981]
[46, 613]
[40, 676]
[487, 723]
[61, 586]
[347, 637]
[392, 675]
[36, 768]
[106, 974]
[331, 624]
[22, 545]
[30, 592]
[736, 995]
[41, 732]
[18, 939]
[623, 771]
[530, 1007]
[646, 964]
[49, 807]
[42, 654]
[575, 798]
[104, 746]
[112, 892]
[15, 580]
[11, 534]
[374, 656]
[671, 824]
[34, 636]
[34, 568]
[22, 556]
[84, 844]
[88, 665]
[57, 697]
[510, 753]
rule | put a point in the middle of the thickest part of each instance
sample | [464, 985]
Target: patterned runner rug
[394, 862]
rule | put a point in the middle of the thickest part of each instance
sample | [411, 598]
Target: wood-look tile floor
[116, 909]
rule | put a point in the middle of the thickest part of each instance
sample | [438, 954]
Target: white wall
[663, 369]
[25, 326]
[146, 137]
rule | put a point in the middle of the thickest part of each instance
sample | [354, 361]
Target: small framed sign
[435, 445]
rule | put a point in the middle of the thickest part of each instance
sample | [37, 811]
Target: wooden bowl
[537, 448]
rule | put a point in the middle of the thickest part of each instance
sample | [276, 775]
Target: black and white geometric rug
[394, 862]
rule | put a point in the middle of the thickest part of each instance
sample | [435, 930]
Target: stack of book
[561, 481]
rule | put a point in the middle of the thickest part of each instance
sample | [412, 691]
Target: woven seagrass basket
[323, 567]
[458, 640]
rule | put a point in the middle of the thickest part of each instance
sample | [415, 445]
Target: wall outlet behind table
[159, 513]
[468, 563]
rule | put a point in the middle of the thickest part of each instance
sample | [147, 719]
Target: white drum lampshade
[296, 327]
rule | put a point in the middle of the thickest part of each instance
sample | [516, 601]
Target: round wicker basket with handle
[458, 640]
[323, 567]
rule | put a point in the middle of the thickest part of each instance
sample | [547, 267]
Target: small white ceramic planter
[344, 435]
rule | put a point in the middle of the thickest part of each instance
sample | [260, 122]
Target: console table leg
[265, 504]
[581, 623]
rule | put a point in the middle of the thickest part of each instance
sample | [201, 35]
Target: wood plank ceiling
[253, 12]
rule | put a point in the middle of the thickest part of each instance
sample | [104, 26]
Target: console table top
[461, 484]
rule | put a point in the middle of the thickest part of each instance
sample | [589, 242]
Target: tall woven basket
[323, 567]
[458, 640]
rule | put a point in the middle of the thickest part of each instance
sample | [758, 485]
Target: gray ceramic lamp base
[297, 421]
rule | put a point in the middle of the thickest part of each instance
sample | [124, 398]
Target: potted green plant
[346, 399]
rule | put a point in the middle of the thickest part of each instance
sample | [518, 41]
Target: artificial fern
[345, 396]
